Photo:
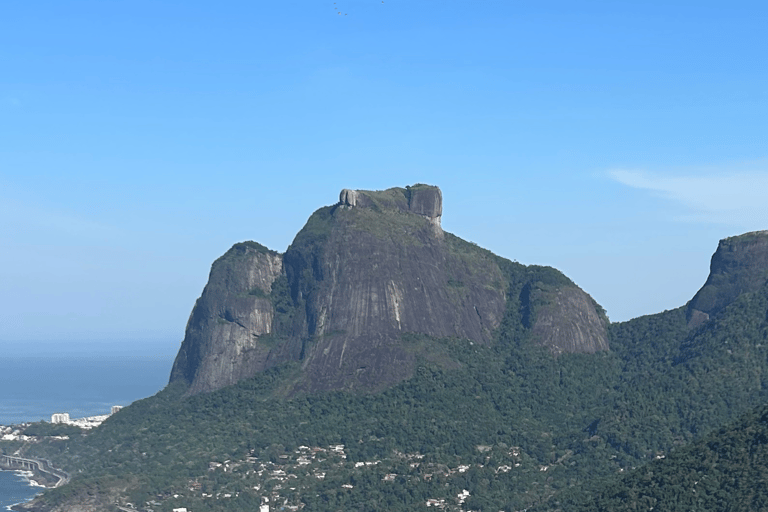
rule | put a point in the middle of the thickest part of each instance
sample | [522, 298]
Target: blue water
[83, 381]
[33, 388]
[14, 489]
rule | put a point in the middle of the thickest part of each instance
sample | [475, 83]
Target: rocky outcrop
[348, 197]
[362, 276]
[569, 321]
[427, 201]
[221, 342]
[424, 200]
[739, 265]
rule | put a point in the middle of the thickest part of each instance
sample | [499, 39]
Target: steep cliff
[359, 280]
[221, 341]
[739, 265]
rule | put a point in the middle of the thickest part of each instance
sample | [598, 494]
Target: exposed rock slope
[739, 265]
[221, 341]
[569, 321]
[358, 277]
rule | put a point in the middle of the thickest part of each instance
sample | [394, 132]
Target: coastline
[27, 477]
[41, 470]
[84, 386]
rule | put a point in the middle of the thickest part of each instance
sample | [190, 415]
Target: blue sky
[615, 141]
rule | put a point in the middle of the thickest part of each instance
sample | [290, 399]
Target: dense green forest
[498, 427]
[727, 470]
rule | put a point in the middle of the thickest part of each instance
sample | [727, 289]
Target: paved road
[44, 466]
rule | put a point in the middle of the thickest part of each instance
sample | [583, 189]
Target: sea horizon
[82, 378]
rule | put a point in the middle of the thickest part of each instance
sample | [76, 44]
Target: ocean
[81, 379]
[14, 488]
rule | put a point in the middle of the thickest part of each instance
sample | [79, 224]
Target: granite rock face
[360, 279]
[739, 265]
[381, 270]
[427, 201]
[221, 340]
[570, 322]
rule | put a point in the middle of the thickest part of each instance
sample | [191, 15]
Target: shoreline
[40, 469]
[27, 477]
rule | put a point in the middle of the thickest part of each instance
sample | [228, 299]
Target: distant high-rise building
[60, 417]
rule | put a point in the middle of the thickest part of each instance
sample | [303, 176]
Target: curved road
[44, 466]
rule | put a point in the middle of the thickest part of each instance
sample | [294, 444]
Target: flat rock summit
[362, 286]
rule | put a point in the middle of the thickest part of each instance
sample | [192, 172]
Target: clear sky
[616, 141]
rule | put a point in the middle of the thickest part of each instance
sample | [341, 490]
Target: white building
[86, 423]
[60, 417]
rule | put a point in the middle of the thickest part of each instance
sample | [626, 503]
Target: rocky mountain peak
[739, 265]
[361, 281]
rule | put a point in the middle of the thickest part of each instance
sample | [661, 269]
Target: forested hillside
[726, 470]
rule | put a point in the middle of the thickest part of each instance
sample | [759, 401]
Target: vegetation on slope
[724, 471]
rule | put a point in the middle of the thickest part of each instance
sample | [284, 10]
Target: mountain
[381, 363]
[358, 277]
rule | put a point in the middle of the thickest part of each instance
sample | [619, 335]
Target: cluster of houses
[12, 433]
[287, 470]
[281, 480]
